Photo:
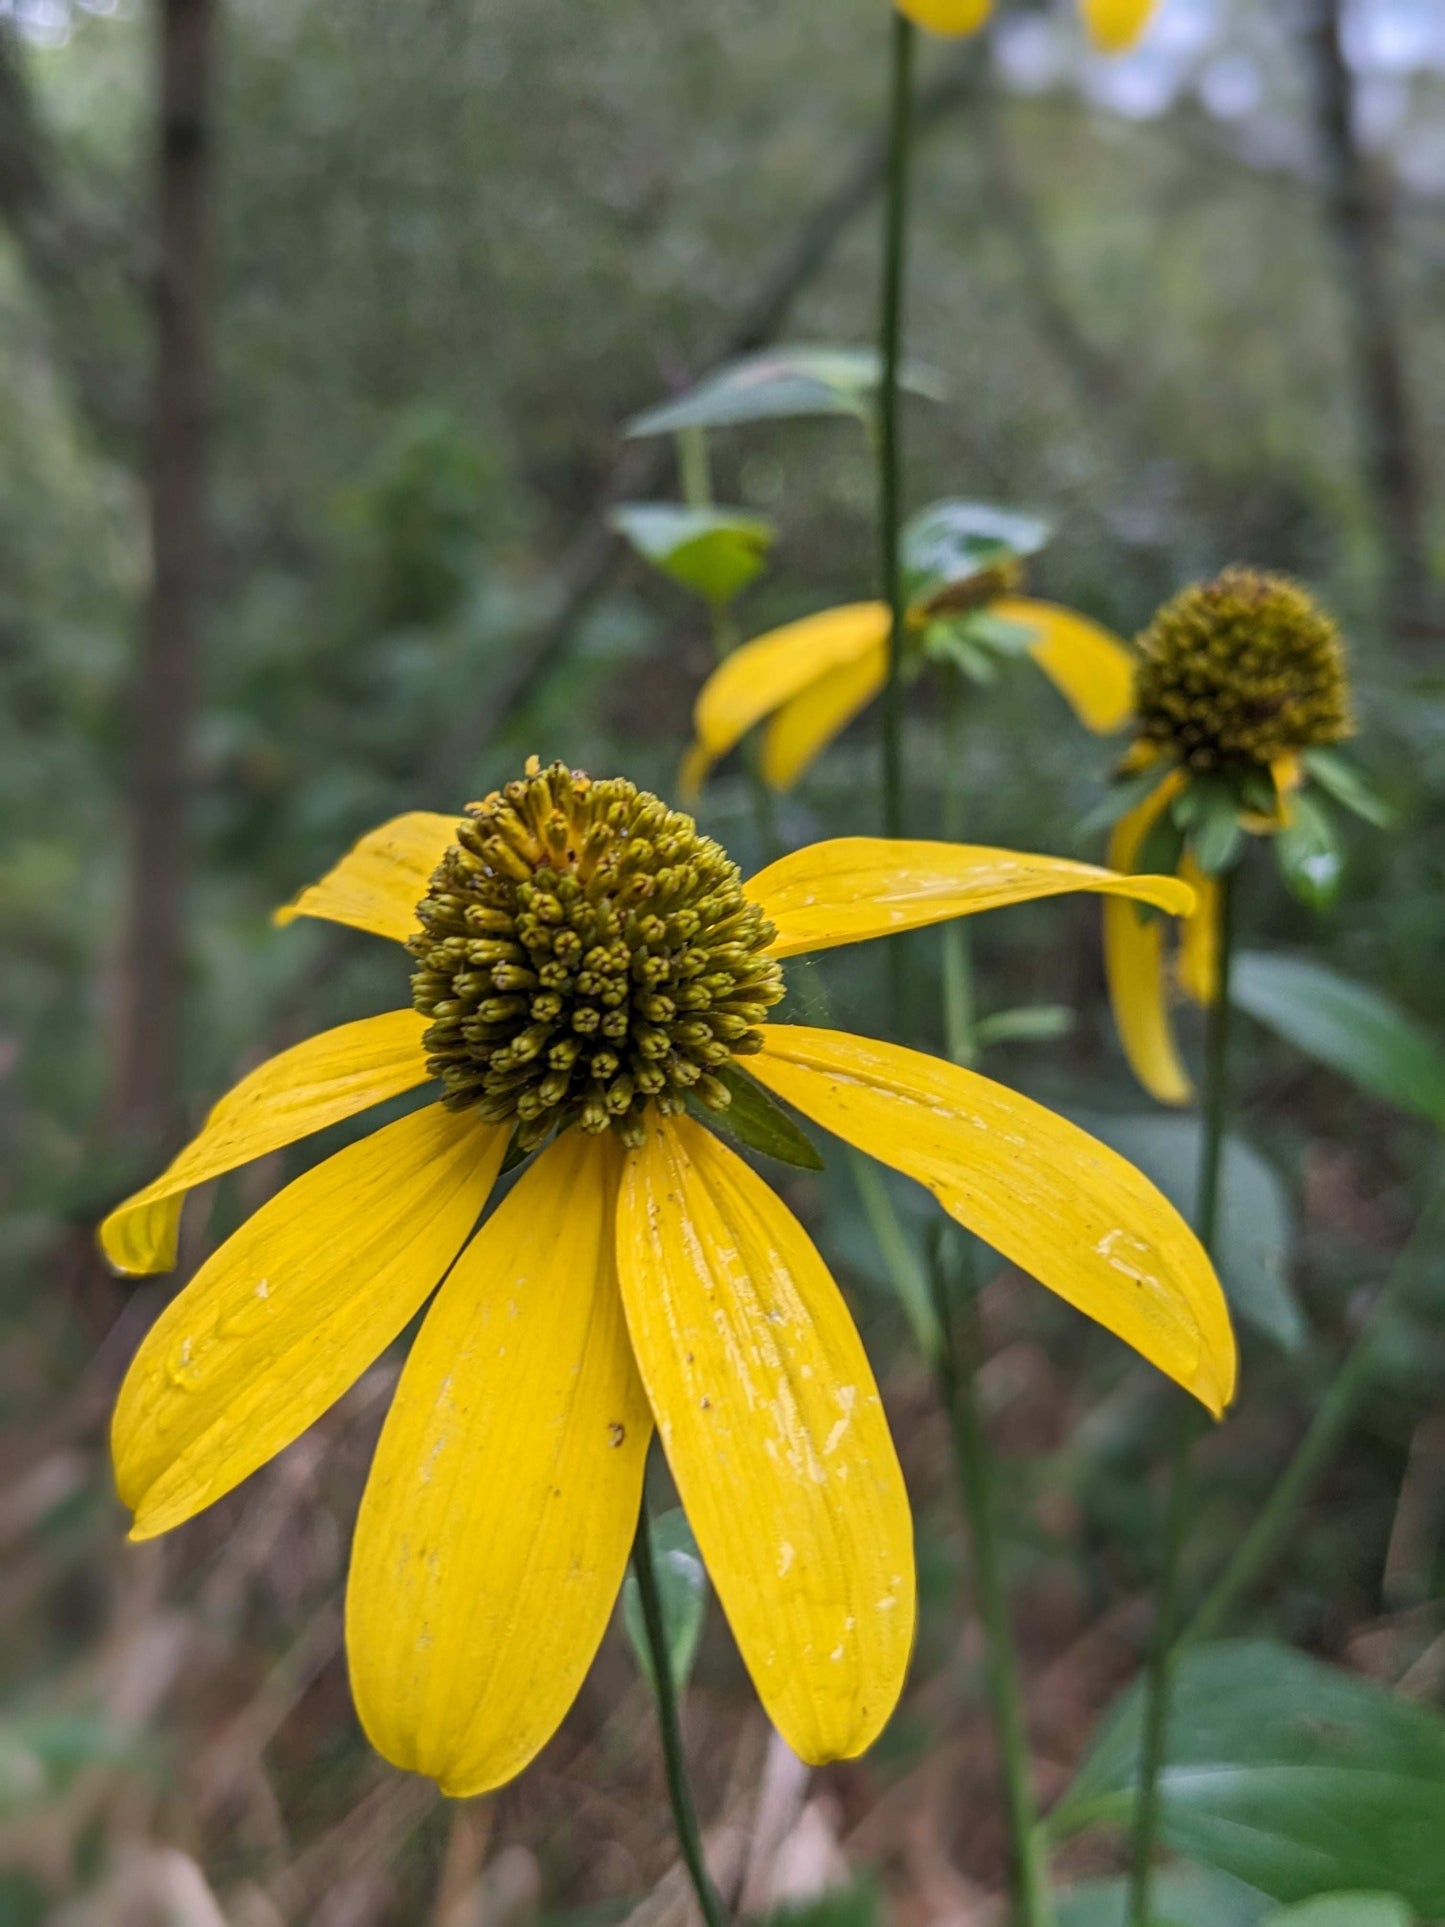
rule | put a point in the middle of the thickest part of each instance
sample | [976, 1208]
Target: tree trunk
[1359, 216]
[146, 1095]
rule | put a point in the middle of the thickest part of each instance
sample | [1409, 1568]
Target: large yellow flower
[811, 678]
[1113, 25]
[584, 962]
[1242, 692]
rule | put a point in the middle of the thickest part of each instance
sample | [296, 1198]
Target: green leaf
[1346, 1026]
[1025, 1024]
[1161, 849]
[901, 1261]
[1208, 809]
[715, 552]
[682, 1588]
[783, 382]
[1349, 787]
[950, 640]
[1190, 1896]
[950, 542]
[1256, 1231]
[1309, 855]
[1344, 1910]
[1294, 1777]
[756, 1119]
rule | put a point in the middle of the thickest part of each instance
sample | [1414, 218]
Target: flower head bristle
[584, 952]
[1239, 672]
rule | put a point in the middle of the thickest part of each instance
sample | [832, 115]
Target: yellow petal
[379, 882]
[502, 1502]
[1089, 666]
[1198, 965]
[806, 725]
[292, 1309]
[769, 671]
[1134, 965]
[299, 1091]
[947, 16]
[775, 1436]
[1042, 1192]
[857, 887]
[1115, 25]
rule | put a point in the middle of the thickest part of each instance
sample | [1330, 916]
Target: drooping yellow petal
[857, 887]
[379, 882]
[501, 1505]
[805, 726]
[1050, 1198]
[947, 16]
[299, 1091]
[1114, 25]
[1198, 964]
[293, 1308]
[775, 1435]
[770, 670]
[1134, 965]
[1089, 666]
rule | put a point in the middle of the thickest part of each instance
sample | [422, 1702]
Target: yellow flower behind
[581, 956]
[809, 679]
[1113, 25]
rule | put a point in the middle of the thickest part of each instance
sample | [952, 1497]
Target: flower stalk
[679, 1790]
[1160, 1678]
[890, 346]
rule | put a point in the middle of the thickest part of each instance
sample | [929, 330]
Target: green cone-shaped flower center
[1242, 670]
[584, 952]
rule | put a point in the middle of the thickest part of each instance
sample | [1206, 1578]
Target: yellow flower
[1113, 25]
[1241, 684]
[639, 1273]
[811, 678]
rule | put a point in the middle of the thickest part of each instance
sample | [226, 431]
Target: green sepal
[1214, 830]
[1349, 786]
[1161, 849]
[757, 1120]
[1308, 853]
[714, 552]
[949, 641]
[949, 543]
[515, 1155]
[1125, 793]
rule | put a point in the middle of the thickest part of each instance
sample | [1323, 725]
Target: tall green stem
[889, 442]
[679, 1792]
[958, 1385]
[1263, 1540]
[1160, 1680]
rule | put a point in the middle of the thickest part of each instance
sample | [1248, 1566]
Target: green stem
[1263, 1540]
[890, 346]
[695, 474]
[679, 1793]
[957, 959]
[1160, 1679]
[958, 1386]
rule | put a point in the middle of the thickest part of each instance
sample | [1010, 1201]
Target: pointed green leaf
[783, 382]
[1124, 794]
[1345, 1025]
[682, 1589]
[1295, 1777]
[1349, 786]
[715, 552]
[756, 1119]
[1309, 855]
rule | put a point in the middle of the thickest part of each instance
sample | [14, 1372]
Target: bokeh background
[1186, 303]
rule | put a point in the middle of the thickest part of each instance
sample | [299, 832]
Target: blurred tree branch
[587, 565]
[1358, 211]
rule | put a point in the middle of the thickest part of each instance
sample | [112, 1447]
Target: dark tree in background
[146, 1092]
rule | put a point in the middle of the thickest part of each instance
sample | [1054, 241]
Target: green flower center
[583, 953]
[1242, 670]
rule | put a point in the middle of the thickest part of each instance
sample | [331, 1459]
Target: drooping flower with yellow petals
[810, 678]
[586, 969]
[1112, 25]
[1242, 692]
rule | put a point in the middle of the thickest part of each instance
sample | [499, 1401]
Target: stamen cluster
[584, 952]
[1242, 670]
